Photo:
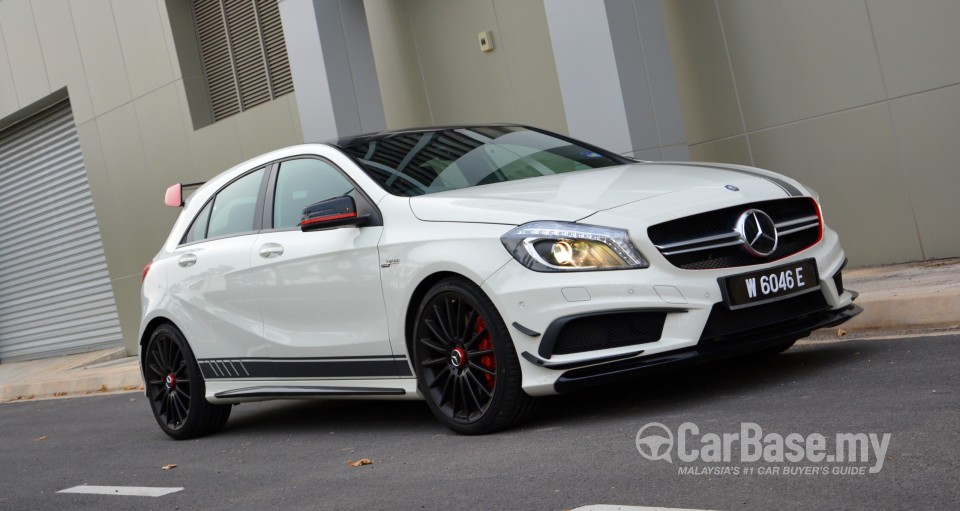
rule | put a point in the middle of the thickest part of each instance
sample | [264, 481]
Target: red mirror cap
[174, 196]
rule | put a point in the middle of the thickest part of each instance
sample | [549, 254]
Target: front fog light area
[561, 246]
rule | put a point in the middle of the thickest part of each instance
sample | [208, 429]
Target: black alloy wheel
[176, 389]
[466, 363]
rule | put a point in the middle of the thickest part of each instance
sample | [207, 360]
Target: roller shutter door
[55, 293]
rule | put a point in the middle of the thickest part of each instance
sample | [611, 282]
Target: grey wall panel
[55, 292]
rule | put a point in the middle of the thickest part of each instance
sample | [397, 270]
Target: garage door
[55, 294]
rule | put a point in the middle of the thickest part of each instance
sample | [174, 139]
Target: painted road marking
[132, 491]
[611, 507]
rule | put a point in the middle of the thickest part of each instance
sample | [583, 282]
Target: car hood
[576, 195]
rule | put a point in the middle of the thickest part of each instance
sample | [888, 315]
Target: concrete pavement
[897, 300]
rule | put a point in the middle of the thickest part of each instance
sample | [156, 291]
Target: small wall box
[486, 40]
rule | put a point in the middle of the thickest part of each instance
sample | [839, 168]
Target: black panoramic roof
[366, 137]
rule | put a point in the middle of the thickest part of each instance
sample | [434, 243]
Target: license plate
[771, 284]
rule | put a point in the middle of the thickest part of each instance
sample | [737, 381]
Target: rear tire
[176, 388]
[466, 364]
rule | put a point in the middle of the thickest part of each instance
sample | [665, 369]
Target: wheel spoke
[463, 398]
[476, 337]
[450, 328]
[446, 335]
[434, 361]
[466, 327]
[156, 370]
[437, 377]
[480, 353]
[480, 385]
[481, 368]
[426, 342]
[473, 394]
[440, 336]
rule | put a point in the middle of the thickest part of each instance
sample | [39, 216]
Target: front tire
[176, 389]
[466, 364]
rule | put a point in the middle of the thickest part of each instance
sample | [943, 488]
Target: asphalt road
[580, 450]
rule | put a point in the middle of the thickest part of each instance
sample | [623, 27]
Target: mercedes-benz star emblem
[758, 232]
[458, 357]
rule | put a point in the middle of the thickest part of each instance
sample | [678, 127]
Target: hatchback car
[473, 267]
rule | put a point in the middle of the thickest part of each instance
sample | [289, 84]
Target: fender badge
[732, 188]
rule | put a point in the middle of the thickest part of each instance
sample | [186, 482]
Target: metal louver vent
[243, 53]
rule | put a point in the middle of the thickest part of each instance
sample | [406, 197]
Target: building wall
[121, 71]
[859, 99]
[431, 69]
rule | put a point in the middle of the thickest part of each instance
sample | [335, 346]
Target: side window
[235, 206]
[301, 183]
[198, 230]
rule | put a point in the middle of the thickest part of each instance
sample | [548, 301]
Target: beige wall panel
[126, 292]
[731, 150]
[851, 160]
[398, 66]
[23, 50]
[168, 37]
[266, 127]
[166, 148]
[103, 193]
[525, 41]
[213, 148]
[126, 166]
[462, 83]
[58, 40]
[100, 49]
[8, 90]
[794, 60]
[705, 84]
[115, 244]
[143, 42]
[291, 100]
[917, 42]
[929, 129]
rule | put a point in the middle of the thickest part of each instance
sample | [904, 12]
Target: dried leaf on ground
[841, 332]
[59, 394]
[168, 466]
[103, 388]
[361, 462]
[40, 438]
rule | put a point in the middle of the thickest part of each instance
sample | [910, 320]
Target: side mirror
[174, 196]
[335, 212]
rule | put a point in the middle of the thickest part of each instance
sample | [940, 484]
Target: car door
[210, 279]
[319, 292]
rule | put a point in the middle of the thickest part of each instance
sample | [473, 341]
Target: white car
[475, 267]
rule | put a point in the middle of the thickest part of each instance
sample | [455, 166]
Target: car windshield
[422, 162]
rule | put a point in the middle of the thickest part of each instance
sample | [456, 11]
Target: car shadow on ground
[643, 398]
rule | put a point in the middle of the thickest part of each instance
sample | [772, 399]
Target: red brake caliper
[488, 362]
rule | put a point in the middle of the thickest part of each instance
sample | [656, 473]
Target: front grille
[710, 241]
[724, 322]
[604, 331]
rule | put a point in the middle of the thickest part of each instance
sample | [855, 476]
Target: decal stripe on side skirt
[334, 367]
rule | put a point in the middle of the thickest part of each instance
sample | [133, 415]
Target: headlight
[561, 246]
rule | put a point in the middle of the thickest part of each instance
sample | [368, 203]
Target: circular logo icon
[170, 381]
[655, 441]
[758, 232]
[732, 188]
[458, 357]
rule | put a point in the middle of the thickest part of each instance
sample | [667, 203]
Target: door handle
[271, 250]
[188, 260]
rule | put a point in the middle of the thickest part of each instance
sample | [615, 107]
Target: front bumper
[532, 302]
[707, 349]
